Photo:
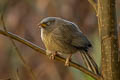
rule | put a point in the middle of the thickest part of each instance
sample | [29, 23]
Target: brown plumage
[65, 37]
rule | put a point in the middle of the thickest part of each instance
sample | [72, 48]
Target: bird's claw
[67, 62]
[52, 56]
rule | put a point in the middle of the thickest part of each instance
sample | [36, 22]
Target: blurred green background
[22, 17]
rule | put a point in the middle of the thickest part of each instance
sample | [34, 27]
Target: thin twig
[99, 19]
[15, 75]
[42, 51]
[92, 2]
[18, 52]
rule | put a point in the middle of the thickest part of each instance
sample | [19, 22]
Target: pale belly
[54, 45]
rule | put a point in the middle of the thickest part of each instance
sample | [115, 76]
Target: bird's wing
[71, 34]
[80, 41]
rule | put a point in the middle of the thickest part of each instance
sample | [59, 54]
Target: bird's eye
[48, 23]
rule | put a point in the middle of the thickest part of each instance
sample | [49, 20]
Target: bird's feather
[71, 34]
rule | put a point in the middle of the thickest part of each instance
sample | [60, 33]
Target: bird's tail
[89, 62]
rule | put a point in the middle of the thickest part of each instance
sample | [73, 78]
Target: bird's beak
[42, 25]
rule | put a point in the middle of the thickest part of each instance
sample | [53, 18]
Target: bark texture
[109, 40]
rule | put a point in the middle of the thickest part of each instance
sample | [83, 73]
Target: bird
[65, 37]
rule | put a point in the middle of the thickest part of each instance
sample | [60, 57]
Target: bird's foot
[52, 56]
[68, 60]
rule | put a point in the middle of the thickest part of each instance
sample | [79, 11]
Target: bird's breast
[48, 40]
[52, 43]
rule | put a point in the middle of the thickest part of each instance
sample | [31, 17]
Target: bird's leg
[67, 60]
[52, 55]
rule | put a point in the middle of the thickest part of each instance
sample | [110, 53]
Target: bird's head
[51, 23]
[47, 23]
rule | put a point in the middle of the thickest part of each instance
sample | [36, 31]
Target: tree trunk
[109, 39]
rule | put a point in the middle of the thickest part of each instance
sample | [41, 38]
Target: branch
[18, 52]
[42, 51]
[92, 2]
